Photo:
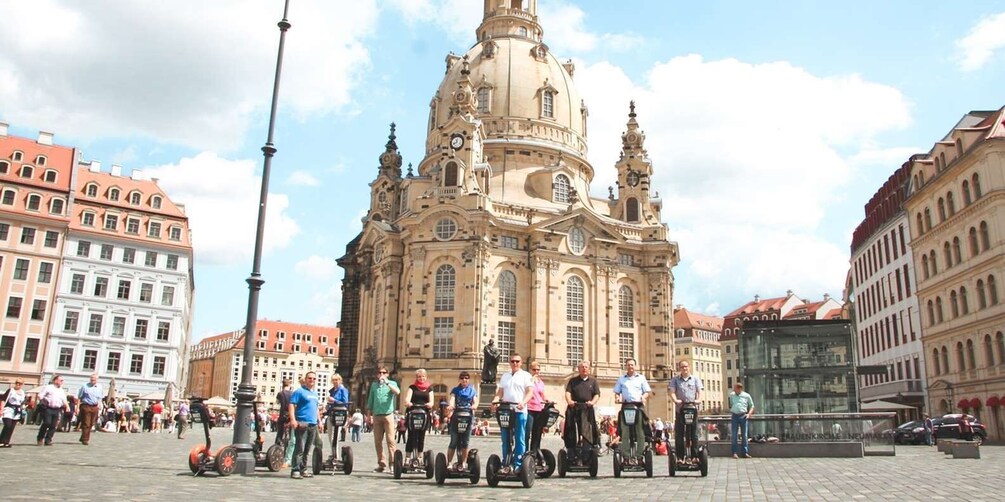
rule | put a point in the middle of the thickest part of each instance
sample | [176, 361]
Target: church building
[496, 236]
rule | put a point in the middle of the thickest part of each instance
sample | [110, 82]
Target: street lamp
[246, 391]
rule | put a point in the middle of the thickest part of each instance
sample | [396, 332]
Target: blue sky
[769, 124]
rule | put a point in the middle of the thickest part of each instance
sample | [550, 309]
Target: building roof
[686, 319]
[269, 332]
[758, 305]
[56, 158]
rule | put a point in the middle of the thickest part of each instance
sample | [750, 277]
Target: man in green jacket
[380, 403]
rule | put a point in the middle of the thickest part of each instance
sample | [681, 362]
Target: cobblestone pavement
[154, 466]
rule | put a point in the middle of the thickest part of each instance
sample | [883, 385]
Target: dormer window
[113, 194]
[548, 104]
[134, 198]
[91, 190]
[56, 206]
[34, 201]
[174, 233]
[27, 172]
[155, 202]
[8, 197]
[40, 160]
[87, 219]
[17, 156]
[50, 176]
[4, 166]
[560, 190]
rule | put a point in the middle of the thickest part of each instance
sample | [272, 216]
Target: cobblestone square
[153, 467]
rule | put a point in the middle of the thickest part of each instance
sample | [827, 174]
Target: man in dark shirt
[283, 400]
[581, 394]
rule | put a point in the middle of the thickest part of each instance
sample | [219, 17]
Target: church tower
[497, 235]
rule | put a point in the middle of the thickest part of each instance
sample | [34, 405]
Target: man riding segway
[634, 452]
[510, 406]
[685, 391]
[582, 438]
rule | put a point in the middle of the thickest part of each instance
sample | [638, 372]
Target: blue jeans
[520, 437]
[928, 437]
[736, 422]
[304, 436]
[355, 434]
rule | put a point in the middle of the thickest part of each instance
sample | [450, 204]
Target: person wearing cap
[463, 396]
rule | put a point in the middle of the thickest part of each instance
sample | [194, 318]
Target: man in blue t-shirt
[304, 422]
[461, 397]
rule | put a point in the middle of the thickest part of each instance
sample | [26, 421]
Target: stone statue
[490, 361]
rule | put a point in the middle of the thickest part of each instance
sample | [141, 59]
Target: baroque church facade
[496, 236]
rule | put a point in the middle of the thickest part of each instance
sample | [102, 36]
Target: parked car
[948, 427]
[912, 432]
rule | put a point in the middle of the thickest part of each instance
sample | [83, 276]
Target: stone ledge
[843, 449]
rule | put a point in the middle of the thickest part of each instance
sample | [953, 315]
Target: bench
[835, 449]
[966, 449]
[944, 444]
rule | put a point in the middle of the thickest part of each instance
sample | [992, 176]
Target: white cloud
[189, 72]
[221, 200]
[302, 178]
[567, 33]
[329, 305]
[458, 18]
[981, 43]
[316, 268]
[748, 160]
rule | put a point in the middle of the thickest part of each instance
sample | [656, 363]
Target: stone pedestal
[486, 392]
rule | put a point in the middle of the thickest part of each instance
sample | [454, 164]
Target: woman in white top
[13, 409]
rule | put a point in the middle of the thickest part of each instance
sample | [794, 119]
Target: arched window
[446, 280]
[632, 210]
[971, 356]
[921, 226]
[113, 194]
[626, 307]
[155, 202]
[966, 193]
[942, 159]
[928, 219]
[964, 303]
[935, 360]
[560, 190]
[1000, 342]
[989, 351]
[548, 104]
[4, 166]
[945, 359]
[985, 237]
[507, 294]
[27, 172]
[957, 255]
[959, 148]
[17, 156]
[450, 175]
[483, 100]
[982, 298]
[950, 204]
[961, 362]
[974, 248]
[40, 160]
[56, 206]
[134, 198]
[975, 182]
[91, 190]
[938, 309]
[924, 266]
[942, 210]
[954, 304]
[574, 299]
[992, 290]
[34, 202]
[931, 312]
[947, 254]
[50, 176]
[931, 262]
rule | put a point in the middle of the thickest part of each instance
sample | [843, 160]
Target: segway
[461, 422]
[201, 458]
[273, 457]
[544, 460]
[339, 413]
[640, 454]
[687, 461]
[504, 469]
[416, 418]
[584, 457]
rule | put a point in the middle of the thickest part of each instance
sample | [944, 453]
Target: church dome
[523, 92]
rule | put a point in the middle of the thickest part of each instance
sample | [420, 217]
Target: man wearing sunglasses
[380, 403]
[304, 413]
[516, 386]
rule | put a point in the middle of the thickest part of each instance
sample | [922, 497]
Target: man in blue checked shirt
[632, 387]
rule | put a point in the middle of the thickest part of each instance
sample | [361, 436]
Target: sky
[769, 124]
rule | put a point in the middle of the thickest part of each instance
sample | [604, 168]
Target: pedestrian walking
[183, 412]
[380, 404]
[356, 423]
[53, 402]
[304, 413]
[89, 401]
[929, 429]
[156, 411]
[13, 411]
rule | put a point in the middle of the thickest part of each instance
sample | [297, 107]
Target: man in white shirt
[516, 386]
[632, 387]
[53, 402]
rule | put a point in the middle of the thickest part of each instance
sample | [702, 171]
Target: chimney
[95, 166]
[788, 293]
[181, 207]
[757, 298]
[137, 174]
[827, 297]
[45, 138]
[3, 128]
[116, 170]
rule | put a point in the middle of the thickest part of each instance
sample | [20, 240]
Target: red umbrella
[993, 401]
[975, 403]
[964, 403]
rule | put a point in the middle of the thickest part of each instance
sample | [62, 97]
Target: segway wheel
[594, 463]
[549, 463]
[274, 457]
[649, 463]
[474, 467]
[527, 471]
[492, 470]
[427, 461]
[195, 458]
[441, 468]
[673, 464]
[317, 461]
[617, 464]
[703, 463]
[347, 460]
[399, 463]
[562, 462]
[226, 460]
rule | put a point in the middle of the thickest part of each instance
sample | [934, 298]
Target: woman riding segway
[420, 399]
[460, 416]
[538, 411]
[336, 415]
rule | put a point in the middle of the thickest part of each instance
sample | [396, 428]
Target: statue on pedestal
[489, 362]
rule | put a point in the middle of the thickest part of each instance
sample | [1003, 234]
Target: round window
[577, 240]
[445, 229]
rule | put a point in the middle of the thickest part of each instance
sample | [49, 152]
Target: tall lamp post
[246, 391]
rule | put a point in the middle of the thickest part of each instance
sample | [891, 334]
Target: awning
[975, 403]
[964, 403]
[992, 402]
[881, 405]
[153, 396]
[219, 402]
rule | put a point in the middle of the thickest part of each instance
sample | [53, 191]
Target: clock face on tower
[456, 141]
[632, 178]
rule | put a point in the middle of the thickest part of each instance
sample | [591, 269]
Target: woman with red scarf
[419, 393]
